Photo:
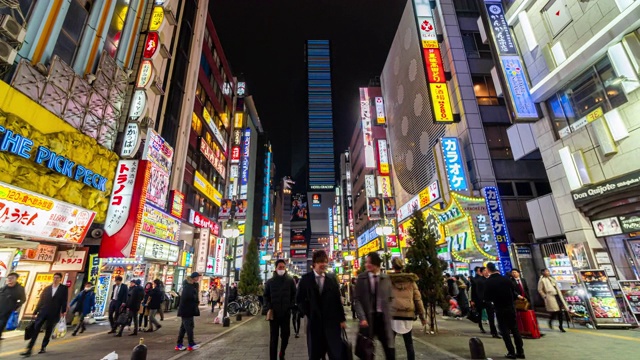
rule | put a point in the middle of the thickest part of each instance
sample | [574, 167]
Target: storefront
[54, 184]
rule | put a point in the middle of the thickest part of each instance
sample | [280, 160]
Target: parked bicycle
[248, 304]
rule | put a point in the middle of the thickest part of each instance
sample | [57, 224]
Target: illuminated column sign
[267, 187]
[521, 102]
[380, 119]
[454, 165]
[367, 134]
[432, 61]
[244, 167]
[383, 157]
[499, 224]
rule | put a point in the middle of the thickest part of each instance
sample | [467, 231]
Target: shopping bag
[347, 348]
[365, 347]
[60, 330]
[89, 319]
[528, 324]
[30, 330]
[12, 322]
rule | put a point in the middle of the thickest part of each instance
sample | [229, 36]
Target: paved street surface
[248, 339]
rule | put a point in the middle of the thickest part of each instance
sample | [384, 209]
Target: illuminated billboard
[383, 157]
[367, 133]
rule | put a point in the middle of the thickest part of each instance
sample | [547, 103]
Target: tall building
[576, 63]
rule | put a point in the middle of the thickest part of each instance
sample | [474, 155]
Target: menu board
[578, 308]
[601, 298]
[631, 291]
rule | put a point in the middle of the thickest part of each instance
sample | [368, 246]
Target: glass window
[116, 26]
[524, 189]
[196, 124]
[466, 6]
[474, 47]
[484, 89]
[506, 188]
[498, 142]
[71, 30]
[542, 188]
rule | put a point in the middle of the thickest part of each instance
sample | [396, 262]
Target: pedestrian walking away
[279, 299]
[553, 300]
[499, 290]
[373, 304]
[319, 299]
[51, 307]
[406, 305]
[187, 310]
[134, 299]
[118, 299]
[84, 303]
[478, 303]
[154, 303]
[11, 299]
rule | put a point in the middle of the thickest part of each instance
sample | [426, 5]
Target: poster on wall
[225, 209]
[158, 186]
[102, 292]
[41, 281]
[241, 209]
[42, 253]
[578, 255]
[631, 291]
[389, 207]
[602, 301]
[374, 208]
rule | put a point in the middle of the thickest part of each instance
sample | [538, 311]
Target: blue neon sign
[499, 225]
[453, 164]
[19, 145]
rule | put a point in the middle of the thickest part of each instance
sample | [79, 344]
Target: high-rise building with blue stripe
[321, 153]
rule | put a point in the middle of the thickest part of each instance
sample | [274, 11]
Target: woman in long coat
[553, 300]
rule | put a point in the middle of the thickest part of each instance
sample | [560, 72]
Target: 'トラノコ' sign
[29, 214]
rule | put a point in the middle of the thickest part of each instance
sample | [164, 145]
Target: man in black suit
[478, 302]
[51, 307]
[118, 299]
[134, 299]
[319, 300]
[500, 291]
[520, 284]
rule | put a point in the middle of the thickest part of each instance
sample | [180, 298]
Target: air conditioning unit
[7, 53]
[10, 28]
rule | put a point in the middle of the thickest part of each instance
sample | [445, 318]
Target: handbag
[12, 322]
[474, 316]
[522, 304]
[364, 347]
[123, 318]
[30, 330]
[347, 348]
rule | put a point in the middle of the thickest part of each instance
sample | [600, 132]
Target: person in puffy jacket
[84, 302]
[406, 304]
[156, 296]
[187, 310]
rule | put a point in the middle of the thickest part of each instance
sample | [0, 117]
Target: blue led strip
[499, 225]
[320, 114]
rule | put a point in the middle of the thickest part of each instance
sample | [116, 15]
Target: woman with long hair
[144, 309]
[406, 304]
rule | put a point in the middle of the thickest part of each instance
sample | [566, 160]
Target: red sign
[214, 157]
[201, 221]
[235, 154]
[177, 204]
[392, 241]
[151, 45]
[433, 63]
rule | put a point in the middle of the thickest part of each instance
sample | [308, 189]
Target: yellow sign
[200, 183]
[41, 281]
[23, 116]
[441, 103]
[384, 186]
[595, 115]
[238, 120]
[156, 18]
[241, 229]
[373, 245]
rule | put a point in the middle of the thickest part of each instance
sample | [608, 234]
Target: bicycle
[248, 304]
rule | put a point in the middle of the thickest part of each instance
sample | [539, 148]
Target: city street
[249, 339]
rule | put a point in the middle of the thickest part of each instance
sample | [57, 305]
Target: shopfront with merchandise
[54, 185]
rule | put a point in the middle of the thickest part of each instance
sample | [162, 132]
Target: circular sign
[138, 104]
[145, 74]
[156, 18]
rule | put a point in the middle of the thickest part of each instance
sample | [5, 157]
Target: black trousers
[490, 315]
[380, 331]
[80, 325]
[408, 344]
[133, 315]
[186, 327]
[295, 319]
[49, 322]
[3, 321]
[114, 310]
[279, 326]
[509, 326]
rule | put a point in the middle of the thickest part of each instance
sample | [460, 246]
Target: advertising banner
[70, 260]
[159, 225]
[218, 268]
[435, 70]
[214, 129]
[241, 209]
[158, 186]
[122, 196]
[631, 291]
[369, 247]
[102, 293]
[429, 195]
[299, 211]
[215, 158]
[25, 213]
[94, 268]
[630, 223]
[428, 36]
[370, 185]
[201, 250]
[577, 303]
[374, 208]
[500, 29]
[384, 186]
[158, 151]
[606, 227]
[131, 141]
[407, 209]
[383, 157]
[454, 164]
[380, 118]
[43, 253]
[201, 184]
[389, 207]
[244, 163]
[298, 237]
[225, 209]
[606, 188]
[201, 221]
[602, 301]
[499, 225]
[177, 204]
[367, 132]
[519, 87]
[160, 250]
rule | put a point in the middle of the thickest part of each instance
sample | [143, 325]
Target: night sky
[264, 40]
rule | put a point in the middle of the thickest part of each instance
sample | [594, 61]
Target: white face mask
[280, 272]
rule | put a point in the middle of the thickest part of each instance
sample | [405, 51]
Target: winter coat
[364, 302]
[548, 288]
[156, 297]
[189, 301]
[407, 301]
[136, 295]
[11, 298]
[452, 287]
[85, 305]
[280, 294]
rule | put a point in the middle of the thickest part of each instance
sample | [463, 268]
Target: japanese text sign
[69, 260]
[384, 186]
[121, 197]
[500, 29]
[200, 183]
[499, 225]
[380, 118]
[159, 225]
[383, 157]
[441, 103]
[454, 164]
[44, 253]
[29, 214]
[518, 87]
[220, 250]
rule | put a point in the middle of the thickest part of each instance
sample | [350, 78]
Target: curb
[215, 337]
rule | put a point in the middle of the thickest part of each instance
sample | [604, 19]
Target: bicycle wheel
[254, 309]
[233, 308]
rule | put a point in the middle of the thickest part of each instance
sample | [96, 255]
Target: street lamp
[230, 232]
[384, 231]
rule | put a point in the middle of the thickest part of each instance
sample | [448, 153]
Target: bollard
[140, 351]
[477, 348]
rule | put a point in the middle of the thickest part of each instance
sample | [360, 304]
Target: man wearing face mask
[279, 299]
